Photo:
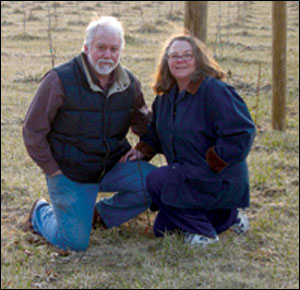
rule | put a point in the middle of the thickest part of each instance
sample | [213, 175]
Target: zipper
[105, 141]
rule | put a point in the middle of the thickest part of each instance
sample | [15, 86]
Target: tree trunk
[279, 65]
[195, 19]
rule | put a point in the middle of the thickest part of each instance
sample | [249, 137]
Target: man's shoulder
[50, 77]
[130, 74]
[66, 66]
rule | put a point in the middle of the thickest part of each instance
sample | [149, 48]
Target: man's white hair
[104, 22]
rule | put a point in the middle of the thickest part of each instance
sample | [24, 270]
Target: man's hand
[58, 172]
[132, 155]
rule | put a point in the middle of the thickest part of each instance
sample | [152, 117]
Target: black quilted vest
[88, 135]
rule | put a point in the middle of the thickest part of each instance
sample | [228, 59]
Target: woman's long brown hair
[205, 65]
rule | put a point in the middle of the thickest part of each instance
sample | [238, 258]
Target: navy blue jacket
[206, 136]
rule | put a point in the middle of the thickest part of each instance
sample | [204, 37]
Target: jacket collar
[120, 79]
[193, 87]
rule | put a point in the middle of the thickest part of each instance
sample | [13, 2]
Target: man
[75, 130]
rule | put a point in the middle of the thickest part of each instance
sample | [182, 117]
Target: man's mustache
[105, 61]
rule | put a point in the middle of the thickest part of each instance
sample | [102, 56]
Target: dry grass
[129, 256]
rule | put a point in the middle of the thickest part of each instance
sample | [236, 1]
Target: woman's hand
[132, 155]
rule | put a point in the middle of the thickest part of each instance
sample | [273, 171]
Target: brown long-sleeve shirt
[46, 103]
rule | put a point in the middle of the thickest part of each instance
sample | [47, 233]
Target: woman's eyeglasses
[184, 57]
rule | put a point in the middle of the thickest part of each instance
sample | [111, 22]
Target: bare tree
[24, 17]
[51, 47]
[279, 44]
[218, 42]
[78, 12]
[228, 22]
[55, 5]
[142, 11]
[195, 19]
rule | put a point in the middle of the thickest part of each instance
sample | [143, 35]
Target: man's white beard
[107, 66]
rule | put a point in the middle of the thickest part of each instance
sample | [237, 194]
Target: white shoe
[242, 223]
[199, 240]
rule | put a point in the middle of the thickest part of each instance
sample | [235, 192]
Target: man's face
[105, 51]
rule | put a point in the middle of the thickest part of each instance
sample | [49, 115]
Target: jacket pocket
[205, 185]
[192, 194]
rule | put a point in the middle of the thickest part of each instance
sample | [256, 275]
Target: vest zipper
[105, 141]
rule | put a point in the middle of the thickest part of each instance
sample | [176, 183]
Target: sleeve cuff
[214, 161]
[50, 168]
[146, 149]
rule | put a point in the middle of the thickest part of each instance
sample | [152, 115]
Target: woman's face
[181, 60]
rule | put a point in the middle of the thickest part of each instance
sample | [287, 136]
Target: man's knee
[79, 245]
[78, 238]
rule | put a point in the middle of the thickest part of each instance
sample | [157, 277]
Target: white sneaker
[199, 240]
[242, 223]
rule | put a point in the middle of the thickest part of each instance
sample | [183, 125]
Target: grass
[130, 256]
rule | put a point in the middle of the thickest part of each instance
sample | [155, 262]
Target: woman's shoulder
[218, 92]
[159, 101]
[219, 88]
[214, 83]
[164, 96]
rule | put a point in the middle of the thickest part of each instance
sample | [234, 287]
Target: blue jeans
[67, 222]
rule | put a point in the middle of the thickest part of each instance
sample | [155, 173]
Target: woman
[205, 131]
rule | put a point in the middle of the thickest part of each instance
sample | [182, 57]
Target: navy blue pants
[199, 221]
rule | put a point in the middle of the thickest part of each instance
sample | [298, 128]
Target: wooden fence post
[195, 19]
[279, 47]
